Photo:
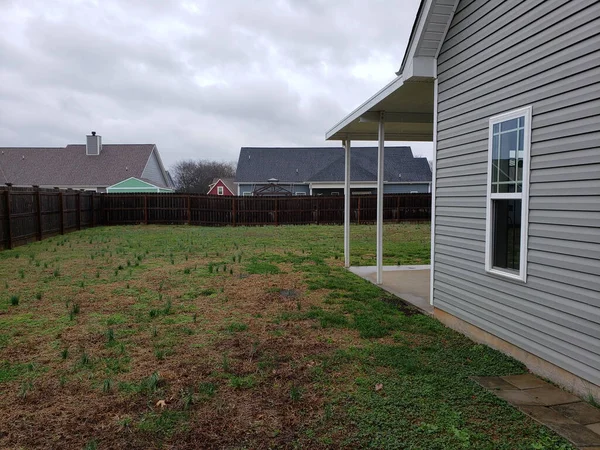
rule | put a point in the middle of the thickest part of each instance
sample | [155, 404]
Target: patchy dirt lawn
[189, 337]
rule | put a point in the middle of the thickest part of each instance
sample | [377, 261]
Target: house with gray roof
[94, 166]
[320, 171]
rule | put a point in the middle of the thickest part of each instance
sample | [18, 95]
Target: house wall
[153, 172]
[243, 187]
[421, 188]
[226, 191]
[500, 56]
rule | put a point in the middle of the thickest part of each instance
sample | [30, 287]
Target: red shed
[222, 186]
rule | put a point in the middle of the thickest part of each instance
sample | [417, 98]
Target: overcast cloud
[198, 78]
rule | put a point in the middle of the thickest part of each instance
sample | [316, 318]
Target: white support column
[347, 146]
[380, 154]
[432, 187]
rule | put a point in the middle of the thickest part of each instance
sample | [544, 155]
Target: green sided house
[136, 185]
[509, 94]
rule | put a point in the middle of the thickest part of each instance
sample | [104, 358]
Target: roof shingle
[326, 164]
[70, 166]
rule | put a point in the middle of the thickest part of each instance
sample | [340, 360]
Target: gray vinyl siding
[497, 57]
[153, 172]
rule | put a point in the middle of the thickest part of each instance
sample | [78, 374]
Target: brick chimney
[93, 145]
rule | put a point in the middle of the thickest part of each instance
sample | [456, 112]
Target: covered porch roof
[408, 101]
[404, 110]
[408, 114]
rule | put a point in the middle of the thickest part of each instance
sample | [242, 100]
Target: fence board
[28, 214]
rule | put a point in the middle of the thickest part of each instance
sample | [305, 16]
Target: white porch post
[380, 152]
[347, 145]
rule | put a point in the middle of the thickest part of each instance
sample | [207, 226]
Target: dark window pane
[506, 234]
[509, 125]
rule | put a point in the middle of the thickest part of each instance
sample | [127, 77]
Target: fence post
[318, 209]
[358, 212]
[398, 208]
[233, 210]
[38, 205]
[9, 242]
[189, 210]
[276, 212]
[146, 209]
[62, 212]
[93, 207]
[79, 210]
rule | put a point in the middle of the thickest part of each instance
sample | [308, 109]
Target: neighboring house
[509, 93]
[222, 186]
[136, 185]
[94, 166]
[320, 171]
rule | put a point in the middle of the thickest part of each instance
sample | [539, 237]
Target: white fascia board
[420, 67]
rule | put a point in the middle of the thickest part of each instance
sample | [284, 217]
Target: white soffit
[408, 100]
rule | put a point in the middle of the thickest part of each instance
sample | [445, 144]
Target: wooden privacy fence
[28, 214]
[120, 209]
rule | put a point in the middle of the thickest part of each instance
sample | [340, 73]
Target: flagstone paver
[566, 414]
[580, 412]
[518, 397]
[579, 435]
[545, 414]
[525, 381]
[552, 396]
[494, 383]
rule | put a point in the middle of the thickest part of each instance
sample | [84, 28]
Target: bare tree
[195, 176]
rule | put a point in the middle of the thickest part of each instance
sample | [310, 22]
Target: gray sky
[198, 78]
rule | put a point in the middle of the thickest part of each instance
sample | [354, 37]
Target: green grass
[253, 338]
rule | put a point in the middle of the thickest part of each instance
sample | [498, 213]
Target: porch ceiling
[408, 107]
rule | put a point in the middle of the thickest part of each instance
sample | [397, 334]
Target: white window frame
[523, 196]
[219, 190]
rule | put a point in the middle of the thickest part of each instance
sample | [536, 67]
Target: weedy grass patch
[171, 336]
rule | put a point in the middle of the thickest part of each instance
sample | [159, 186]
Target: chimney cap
[93, 133]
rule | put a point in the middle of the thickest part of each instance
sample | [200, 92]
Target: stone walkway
[566, 414]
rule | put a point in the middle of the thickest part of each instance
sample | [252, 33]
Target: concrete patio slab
[410, 283]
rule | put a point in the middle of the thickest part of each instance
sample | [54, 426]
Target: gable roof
[137, 183]
[228, 182]
[70, 166]
[326, 164]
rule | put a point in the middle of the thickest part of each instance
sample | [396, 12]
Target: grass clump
[237, 327]
[258, 267]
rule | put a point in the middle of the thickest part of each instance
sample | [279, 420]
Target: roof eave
[418, 66]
